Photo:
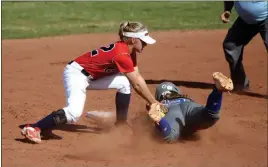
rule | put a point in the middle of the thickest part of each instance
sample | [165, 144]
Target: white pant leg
[117, 81]
[75, 84]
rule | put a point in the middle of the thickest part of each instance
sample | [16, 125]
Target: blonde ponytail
[130, 27]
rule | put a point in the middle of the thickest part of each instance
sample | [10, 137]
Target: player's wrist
[152, 101]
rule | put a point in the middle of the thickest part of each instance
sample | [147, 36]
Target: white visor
[144, 36]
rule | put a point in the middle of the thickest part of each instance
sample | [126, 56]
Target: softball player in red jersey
[108, 67]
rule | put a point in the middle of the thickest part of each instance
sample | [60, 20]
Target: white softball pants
[76, 84]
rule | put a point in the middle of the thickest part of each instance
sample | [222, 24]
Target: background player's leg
[237, 37]
[122, 98]
[264, 32]
[122, 104]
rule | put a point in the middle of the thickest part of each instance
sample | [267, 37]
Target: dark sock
[165, 127]
[46, 122]
[214, 101]
[122, 104]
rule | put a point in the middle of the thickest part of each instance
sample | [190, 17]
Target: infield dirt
[32, 88]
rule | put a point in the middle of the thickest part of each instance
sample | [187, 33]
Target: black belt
[82, 71]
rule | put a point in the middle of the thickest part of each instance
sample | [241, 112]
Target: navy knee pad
[122, 102]
[59, 117]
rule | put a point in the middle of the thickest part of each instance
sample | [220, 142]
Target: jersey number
[104, 49]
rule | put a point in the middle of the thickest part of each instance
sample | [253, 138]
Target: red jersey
[108, 60]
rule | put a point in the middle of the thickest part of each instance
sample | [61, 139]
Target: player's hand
[157, 112]
[148, 105]
[225, 16]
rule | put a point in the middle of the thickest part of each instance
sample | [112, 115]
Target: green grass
[37, 19]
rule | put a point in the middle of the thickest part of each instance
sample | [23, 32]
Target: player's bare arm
[140, 86]
[137, 69]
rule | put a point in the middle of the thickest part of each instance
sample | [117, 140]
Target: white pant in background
[76, 84]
